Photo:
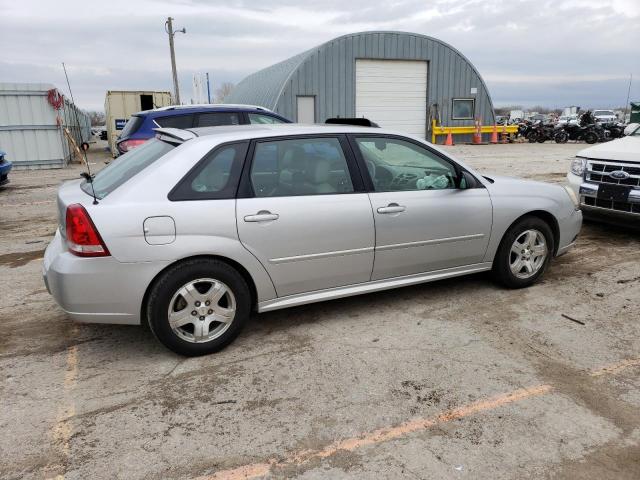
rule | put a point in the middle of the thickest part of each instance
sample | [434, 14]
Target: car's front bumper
[5, 168]
[587, 193]
[96, 290]
[569, 230]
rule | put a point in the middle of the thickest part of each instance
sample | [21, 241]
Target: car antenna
[86, 175]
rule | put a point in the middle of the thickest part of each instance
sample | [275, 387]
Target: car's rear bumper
[96, 290]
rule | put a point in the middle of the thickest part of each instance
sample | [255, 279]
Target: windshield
[131, 126]
[603, 112]
[126, 167]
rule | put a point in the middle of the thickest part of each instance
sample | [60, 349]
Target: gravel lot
[456, 379]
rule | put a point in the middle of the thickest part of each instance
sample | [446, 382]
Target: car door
[306, 216]
[423, 220]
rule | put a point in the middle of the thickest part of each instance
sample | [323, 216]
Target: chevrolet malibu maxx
[195, 229]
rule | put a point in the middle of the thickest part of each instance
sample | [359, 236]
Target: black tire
[561, 137]
[590, 137]
[501, 263]
[171, 281]
[532, 137]
[541, 138]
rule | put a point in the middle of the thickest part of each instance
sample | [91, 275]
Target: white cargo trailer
[119, 105]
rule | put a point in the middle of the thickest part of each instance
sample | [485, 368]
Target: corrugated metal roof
[264, 87]
[328, 73]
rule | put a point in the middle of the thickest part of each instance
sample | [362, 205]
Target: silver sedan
[194, 230]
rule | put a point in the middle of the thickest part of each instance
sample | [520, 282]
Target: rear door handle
[262, 216]
[392, 208]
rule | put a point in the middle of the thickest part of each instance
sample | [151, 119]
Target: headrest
[318, 170]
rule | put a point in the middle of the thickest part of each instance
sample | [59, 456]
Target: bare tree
[223, 92]
[97, 118]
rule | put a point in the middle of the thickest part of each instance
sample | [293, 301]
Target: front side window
[463, 109]
[175, 121]
[399, 165]
[215, 177]
[305, 166]
[216, 119]
[259, 119]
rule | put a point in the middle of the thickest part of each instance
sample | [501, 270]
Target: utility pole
[168, 26]
[208, 89]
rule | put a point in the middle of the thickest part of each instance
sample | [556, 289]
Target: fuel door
[159, 230]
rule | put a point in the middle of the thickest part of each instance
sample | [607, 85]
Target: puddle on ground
[18, 259]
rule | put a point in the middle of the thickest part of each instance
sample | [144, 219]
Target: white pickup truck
[606, 177]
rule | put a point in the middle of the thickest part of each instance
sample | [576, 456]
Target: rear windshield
[126, 166]
[131, 126]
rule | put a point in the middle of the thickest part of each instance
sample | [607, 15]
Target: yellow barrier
[437, 130]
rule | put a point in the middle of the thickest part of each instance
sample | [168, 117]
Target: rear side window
[216, 119]
[175, 121]
[305, 166]
[259, 119]
[127, 166]
[132, 126]
[215, 177]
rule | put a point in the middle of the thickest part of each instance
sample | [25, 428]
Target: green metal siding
[328, 73]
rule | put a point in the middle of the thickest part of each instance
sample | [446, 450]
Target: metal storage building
[31, 129]
[119, 105]
[400, 80]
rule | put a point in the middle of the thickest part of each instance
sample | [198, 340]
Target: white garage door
[393, 93]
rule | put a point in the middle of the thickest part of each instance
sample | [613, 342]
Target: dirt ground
[450, 380]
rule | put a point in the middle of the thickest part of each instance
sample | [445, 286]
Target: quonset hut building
[399, 80]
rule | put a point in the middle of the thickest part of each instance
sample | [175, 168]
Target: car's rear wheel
[524, 253]
[198, 306]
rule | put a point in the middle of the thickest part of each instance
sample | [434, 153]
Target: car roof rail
[359, 122]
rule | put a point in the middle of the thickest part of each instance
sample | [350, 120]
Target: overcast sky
[549, 52]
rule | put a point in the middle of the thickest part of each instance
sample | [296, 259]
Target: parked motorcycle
[613, 130]
[588, 133]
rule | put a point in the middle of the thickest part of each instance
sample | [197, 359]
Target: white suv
[606, 177]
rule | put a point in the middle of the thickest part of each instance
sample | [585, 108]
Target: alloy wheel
[528, 254]
[202, 310]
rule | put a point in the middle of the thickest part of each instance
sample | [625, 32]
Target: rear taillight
[127, 145]
[83, 238]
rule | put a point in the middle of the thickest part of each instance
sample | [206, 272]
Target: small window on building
[463, 109]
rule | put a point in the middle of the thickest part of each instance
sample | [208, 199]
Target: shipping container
[119, 105]
[32, 125]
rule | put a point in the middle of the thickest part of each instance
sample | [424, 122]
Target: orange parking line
[380, 435]
[377, 436]
[615, 368]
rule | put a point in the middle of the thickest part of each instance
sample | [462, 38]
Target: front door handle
[262, 216]
[392, 208]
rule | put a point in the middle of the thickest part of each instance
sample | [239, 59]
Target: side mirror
[467, 181]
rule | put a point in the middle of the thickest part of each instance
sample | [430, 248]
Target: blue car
[140, 126]
[5, 168]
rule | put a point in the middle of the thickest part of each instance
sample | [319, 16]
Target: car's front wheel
[198, 306]
[524, 253]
